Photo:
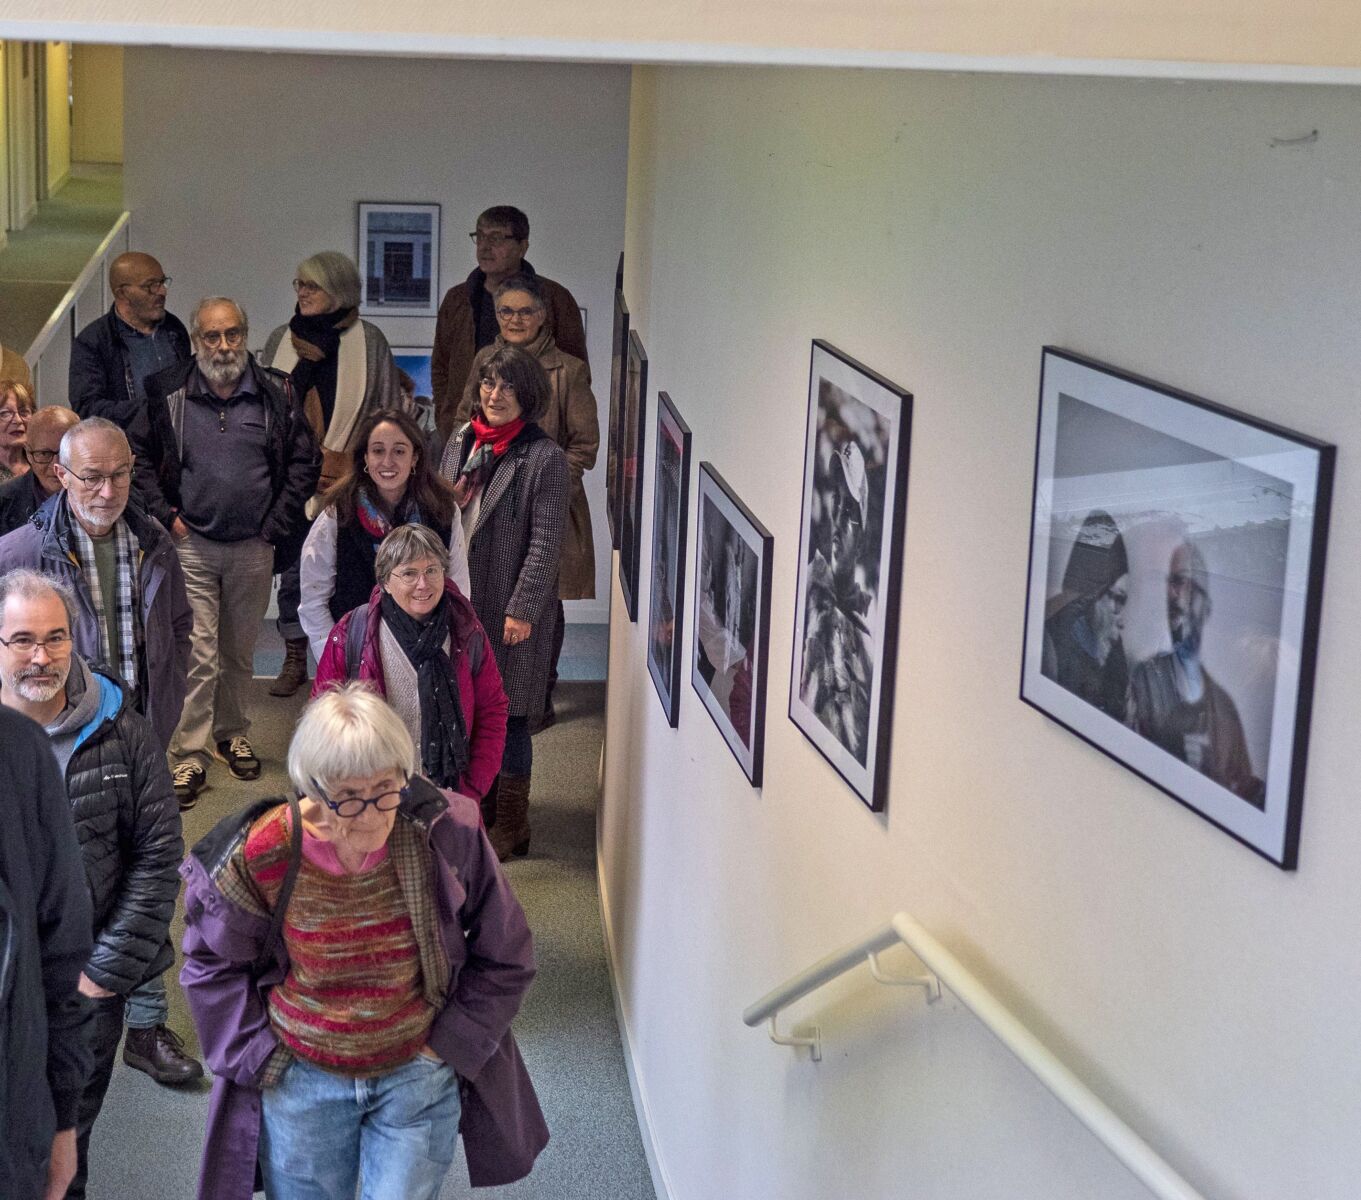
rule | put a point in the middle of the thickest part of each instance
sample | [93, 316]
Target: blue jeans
[518, 756]
[147, 1005]
[320, 1134]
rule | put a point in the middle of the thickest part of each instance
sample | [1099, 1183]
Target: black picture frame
[730, 641]
[398, 259]
[633, 440]
[852, 520]
[1177, 554]
[670, 511]
[614, 442]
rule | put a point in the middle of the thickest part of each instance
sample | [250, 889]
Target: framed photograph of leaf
[731, 641]
[850, 568]
[1176, 578]
[670, 507]
[632, 440]
[614, 442]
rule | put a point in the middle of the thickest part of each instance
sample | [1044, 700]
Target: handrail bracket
[814, 1042]
[930, 982]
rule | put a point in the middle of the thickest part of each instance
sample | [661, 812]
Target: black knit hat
[1098, 558]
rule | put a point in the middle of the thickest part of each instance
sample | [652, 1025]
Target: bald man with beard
[115, 354]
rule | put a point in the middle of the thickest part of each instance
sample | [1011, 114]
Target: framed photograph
[613, 456]
[670, 505]
[633, 432]
[850, 568]
[1176, 578]
[731, 641]
[415, 361]
[399, 250]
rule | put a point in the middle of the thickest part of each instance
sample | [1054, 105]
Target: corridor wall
[942, 229]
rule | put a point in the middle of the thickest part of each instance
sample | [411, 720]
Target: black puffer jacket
[128, 822]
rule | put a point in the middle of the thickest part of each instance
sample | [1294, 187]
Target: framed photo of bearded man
[854, 511]
[1175, 584]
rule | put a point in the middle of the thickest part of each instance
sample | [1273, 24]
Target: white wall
[97, 103]
[58, 113]
[22, 113]
[942, 229]
[239, 165]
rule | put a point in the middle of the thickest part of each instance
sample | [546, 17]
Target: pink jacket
[482, 697]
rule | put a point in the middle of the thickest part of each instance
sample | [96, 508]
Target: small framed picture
[850, 568]
[670, 506]
[1176, 579]
[633, 439]
[731, 642]
[399, 248]
[613, 448]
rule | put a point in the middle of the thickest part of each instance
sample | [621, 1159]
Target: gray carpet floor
[146, 1143]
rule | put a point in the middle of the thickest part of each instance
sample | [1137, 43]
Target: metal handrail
[68, 301]
[946, 970]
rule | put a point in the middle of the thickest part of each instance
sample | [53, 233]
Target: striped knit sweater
[353, 1000]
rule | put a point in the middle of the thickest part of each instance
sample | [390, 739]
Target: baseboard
[660, 1183]
[61, 183]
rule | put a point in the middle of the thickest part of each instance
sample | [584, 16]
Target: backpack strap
[354, 640]
[276, 919]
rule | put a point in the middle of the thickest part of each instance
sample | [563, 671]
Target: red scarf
[498, 437]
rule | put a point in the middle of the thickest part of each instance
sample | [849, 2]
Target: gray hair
[83, 429]
[528, 284]
[405, 544]
[34, 585]
[335, 274]
[195, 322]
[345, 733]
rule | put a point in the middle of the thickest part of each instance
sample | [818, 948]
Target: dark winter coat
[513, 554]
[44, 945]
[44, 545]
[294, 457]
[20, 498]
[100, 380]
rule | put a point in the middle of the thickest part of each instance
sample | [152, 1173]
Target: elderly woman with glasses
[16, 407]
[511, 482]
[342, 371]
[353, 960]
[417, 641]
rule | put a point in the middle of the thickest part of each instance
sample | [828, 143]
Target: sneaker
[239, 757]
[159, 1052]
[188, 778]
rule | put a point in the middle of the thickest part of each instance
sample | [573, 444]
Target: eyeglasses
[490, 385]
[15, 414]
[95, 483]
[492, 239]
[409, 575]
[26, 643]
[352, 806]
[218, 337]
[39, 458]
[306, 286]
[506, 313]
[151, 286]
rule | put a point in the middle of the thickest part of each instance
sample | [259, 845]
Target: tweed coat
[572, 422]
[513, 555]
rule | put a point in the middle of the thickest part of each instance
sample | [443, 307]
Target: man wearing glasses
[226, 464]
[467, 314]
[117, 353]
[22, 496]
[128, 826]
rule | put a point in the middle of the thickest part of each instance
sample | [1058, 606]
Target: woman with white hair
[353, 960]
[342, 370]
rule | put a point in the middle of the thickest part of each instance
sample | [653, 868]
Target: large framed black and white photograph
[666, 603]
[614, 440]
[399, 247]
[1176, 578]
[850, 568]
[633, 438]
[731, 641]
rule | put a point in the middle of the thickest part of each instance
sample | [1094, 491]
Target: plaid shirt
[126, 657]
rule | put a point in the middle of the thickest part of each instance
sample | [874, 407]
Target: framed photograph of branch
[670, 506]
[1176, 579]
[731, 641]
[613, 445]
[850, 568]
[399, 246]
[633, 439]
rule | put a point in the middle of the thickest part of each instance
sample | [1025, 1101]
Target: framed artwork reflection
[1176, 579]
[666, 602]
[846, 605]
[731, 641]
[614, 441]
[399, 248]
[633, 437]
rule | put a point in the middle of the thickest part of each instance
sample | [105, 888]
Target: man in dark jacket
[114, 355]
[227, 463]
[44, 943]
[23, 495]
[126, 818]
[467, 320]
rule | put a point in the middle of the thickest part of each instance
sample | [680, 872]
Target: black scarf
[317, 342]
[444, 731]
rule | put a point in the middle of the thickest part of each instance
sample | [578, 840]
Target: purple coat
[491, 960]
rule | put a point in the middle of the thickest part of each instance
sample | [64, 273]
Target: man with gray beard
[226, 464]
[123, 806]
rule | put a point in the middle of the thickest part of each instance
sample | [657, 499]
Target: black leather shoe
[160, 1053]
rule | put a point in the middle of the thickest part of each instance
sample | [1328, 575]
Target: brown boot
[293, 674]
[510, 834]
